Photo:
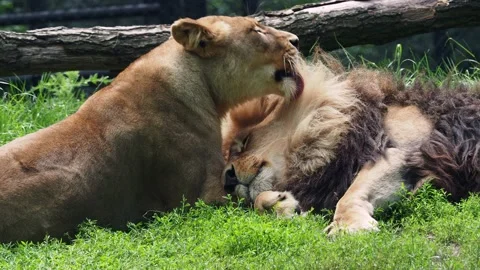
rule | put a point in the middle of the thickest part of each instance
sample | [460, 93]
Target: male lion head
[253, 148]
[270, 141]
[235, 48]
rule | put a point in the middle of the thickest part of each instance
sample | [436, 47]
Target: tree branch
[329, 24]
[346, 23]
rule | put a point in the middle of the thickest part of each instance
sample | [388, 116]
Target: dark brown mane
[364, 142]
[435, 101]
[452, 154]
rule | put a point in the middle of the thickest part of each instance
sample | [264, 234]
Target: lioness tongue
[300, 85]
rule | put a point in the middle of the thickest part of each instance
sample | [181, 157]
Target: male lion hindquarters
[149, 138]
[452, 154]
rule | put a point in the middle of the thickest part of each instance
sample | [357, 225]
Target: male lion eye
[238, 146]
[245, 142]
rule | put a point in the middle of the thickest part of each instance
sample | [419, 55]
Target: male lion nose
[294, 41]
[231, 180]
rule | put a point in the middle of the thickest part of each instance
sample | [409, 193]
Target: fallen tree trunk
[330, 24]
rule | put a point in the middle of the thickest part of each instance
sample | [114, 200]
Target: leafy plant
[23, 111]
[5, 5]
[67, 84]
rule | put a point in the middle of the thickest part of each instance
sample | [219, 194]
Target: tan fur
[374, 185]
[407, 126]
[302, 137]
[320, 112]
[372, 84]
[251, 113]
[148, 139]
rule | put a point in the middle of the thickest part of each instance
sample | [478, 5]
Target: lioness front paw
[283, 203]
[351, 225]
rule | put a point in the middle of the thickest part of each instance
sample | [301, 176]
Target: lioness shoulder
[148, 139]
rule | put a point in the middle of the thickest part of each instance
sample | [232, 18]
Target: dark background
[454, 44]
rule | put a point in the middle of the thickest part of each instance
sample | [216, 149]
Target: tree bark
[344, 23]
[329, 24]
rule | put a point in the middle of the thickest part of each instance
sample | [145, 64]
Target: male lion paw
[351, 225]
[283, 203]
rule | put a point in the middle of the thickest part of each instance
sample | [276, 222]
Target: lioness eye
[259, 30]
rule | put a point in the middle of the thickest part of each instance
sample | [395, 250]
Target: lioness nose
[231, 180]
[294, 41]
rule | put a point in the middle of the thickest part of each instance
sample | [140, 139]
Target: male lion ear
[194, 36]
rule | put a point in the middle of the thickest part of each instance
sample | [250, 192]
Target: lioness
[350, 142]
[150, 137]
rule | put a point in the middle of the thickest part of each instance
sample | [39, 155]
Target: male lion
[349, 142]
[150, 137]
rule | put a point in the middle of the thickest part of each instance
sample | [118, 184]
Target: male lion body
[149, 138]
[350, 142]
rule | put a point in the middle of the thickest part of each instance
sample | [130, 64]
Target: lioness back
[149, 138]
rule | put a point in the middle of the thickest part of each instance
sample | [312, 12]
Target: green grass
[411, 69]
[425, 232]
[421, 231]
[23, 111]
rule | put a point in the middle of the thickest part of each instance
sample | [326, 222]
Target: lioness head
[242, 58]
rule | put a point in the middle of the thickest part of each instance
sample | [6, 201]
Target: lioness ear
[193, 35]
